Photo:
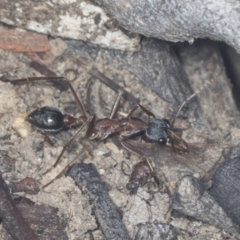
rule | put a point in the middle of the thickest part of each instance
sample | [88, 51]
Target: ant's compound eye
[162, 141]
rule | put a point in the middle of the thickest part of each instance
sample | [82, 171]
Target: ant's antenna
[192, 96]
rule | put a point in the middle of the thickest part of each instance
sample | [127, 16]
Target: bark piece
[88, 180]
[68, 19]
[11, 217]
[19, 40]
[43, 219]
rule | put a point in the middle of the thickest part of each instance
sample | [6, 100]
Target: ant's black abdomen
[47, 118]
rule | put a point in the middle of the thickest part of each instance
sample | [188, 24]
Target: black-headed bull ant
[157, 131]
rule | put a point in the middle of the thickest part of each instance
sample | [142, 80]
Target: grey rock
[226, 188]
[191, 199]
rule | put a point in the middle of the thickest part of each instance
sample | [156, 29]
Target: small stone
[21, 126]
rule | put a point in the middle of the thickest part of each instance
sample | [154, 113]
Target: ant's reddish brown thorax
[104, 127]
[131, 126]
[125, 126]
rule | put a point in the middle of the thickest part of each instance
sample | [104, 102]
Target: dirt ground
[29, 155]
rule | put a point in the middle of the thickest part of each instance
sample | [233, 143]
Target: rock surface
[179, 20]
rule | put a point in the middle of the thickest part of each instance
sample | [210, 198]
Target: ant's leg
[68, 165]
[58, 176]
[68, 144]
[137, 106]
[79, 103]
[181, 145]
[47, 138]
[64, 170]
[115, 105]
[130, 148]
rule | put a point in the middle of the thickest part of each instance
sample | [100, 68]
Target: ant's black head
[158, 131]
[46, 118]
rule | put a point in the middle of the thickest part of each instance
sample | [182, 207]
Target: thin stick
[111, 84]
[44, 70]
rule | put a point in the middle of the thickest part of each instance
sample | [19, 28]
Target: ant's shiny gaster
[51, 119]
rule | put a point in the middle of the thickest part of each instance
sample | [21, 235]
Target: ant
[158, 131]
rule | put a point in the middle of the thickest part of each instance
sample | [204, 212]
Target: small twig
[12, 219]
[42, 69]
[114, 86]
[61, 85]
